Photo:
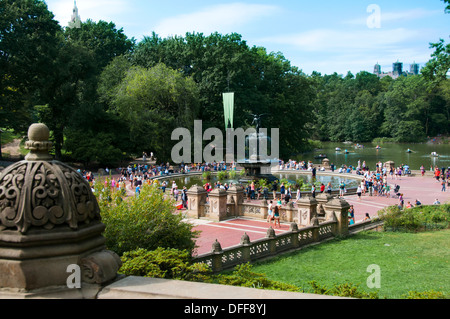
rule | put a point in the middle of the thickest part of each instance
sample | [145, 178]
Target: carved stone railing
[219, 259]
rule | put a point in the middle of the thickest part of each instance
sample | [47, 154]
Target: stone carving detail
[44, 194]
[100, 267]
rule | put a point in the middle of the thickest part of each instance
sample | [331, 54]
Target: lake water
[396, 152]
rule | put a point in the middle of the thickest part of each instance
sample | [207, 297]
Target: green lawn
[408, 262]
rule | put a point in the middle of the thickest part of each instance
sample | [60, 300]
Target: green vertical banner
[228, 108]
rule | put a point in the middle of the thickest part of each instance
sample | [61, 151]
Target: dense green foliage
[163, 263]
[364, 107]
[94, 87]
[418, 218]
[146, 221]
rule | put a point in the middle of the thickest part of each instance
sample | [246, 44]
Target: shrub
[416, 218]
[232, 174]
[221, 175]
[146, 221]
[243, 276]
[163, 263]
[343, 290]
[206, 175]
[430, 294]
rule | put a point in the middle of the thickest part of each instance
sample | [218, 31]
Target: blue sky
[326, 36]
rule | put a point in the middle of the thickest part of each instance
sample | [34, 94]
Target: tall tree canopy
[29, 42]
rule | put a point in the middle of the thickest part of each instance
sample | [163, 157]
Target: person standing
[282, 190]
[341, 189]
[184, 197]
[329, 188]
[276, 215]
[274, 190]
[351, 214]
[270, 212]
[358, 192]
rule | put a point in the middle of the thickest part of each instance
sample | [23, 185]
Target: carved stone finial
[38, 143]
[216, 248]
[293, 227]
[245, 240]
[270, 233]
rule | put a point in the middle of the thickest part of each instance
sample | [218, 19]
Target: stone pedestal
[389, 165]
[340, 208]
[322, 199]
[50, 224]
[196, 201]
[218, 204]
[326, 163]
[307, 209]
[235, 196]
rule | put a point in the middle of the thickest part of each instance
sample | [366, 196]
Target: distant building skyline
[397, 70]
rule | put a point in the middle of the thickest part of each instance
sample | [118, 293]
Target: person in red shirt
[437, 173]
[322, 188]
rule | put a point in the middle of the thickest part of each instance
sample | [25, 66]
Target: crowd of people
[376, 182]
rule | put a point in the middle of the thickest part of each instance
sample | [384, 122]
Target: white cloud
[330, 40]
[331, 50]
[223, 18]
[395, 16]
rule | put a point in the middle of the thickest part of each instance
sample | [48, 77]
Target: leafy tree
[28, 46]
[154, 102]
[262, 82]
[103, 42]
[147, 221]
[437, 67]
[70, 78]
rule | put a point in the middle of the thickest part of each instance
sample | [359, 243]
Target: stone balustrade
[222, 204]
[311, 220]
[219, 259]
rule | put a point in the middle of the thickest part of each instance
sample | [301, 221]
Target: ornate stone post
[322, 199]
[217, 256]
[236, 196]
[50, 223]
[306, 210]
[294, 229]
[245, 243]
[271, 240]
[218, 204]
[340, 208]
[196, 200]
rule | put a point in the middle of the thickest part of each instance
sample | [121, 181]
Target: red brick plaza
[424, 188]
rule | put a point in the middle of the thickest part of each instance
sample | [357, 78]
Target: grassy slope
[408, 262]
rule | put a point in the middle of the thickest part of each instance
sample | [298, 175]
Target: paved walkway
[229, 232]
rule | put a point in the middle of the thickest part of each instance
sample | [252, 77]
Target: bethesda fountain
[256, 164]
